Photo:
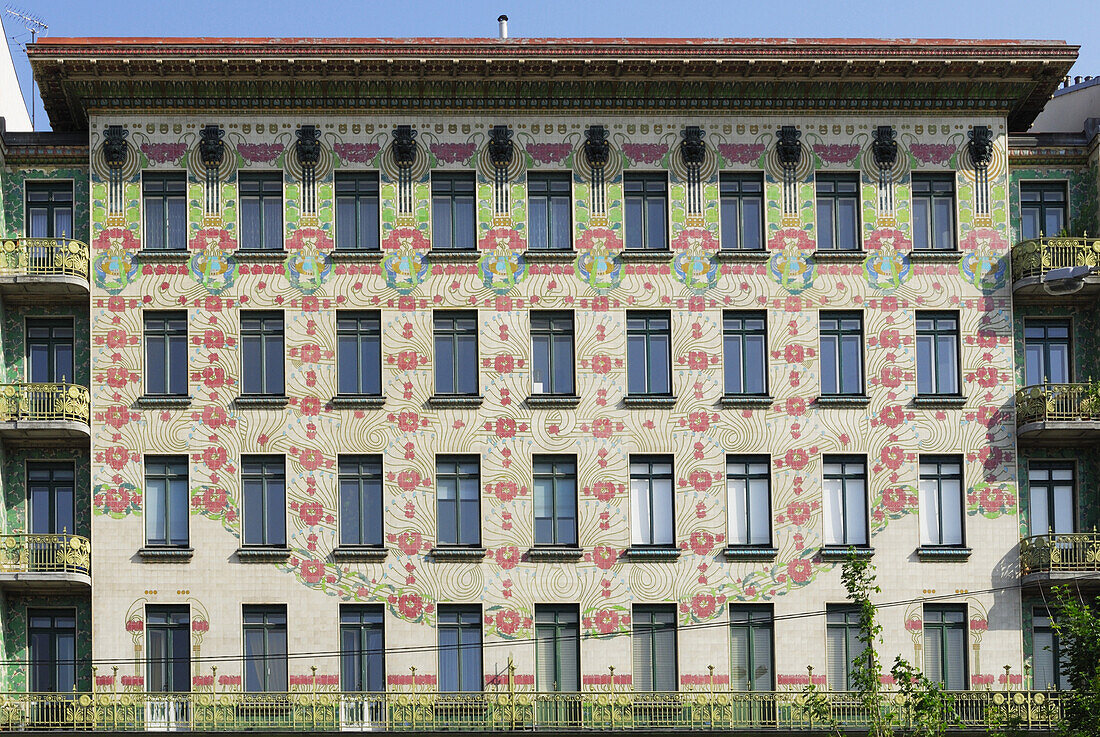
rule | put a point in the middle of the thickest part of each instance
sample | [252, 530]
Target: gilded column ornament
[501, 153]
[884, 150]
[115, 151]
[404, 156]
[693, 152]
[307, 147]
[789, 150]
[597, 149]
[211, 153]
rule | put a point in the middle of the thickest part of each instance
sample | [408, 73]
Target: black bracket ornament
[211, 150]
[789, 147]
[692, 149]
[981, 146]
[404, 146]
[501, 150]
[308, 145]
[596, 146]
[115, 146]
[885, 148]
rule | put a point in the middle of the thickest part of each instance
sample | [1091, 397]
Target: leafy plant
[1078, 627]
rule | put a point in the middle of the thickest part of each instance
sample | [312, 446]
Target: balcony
[1065, 557]
[44, 413]
[1033, 259]
[43, 269]
[45, 562]
[1057, 414]
[502, 711]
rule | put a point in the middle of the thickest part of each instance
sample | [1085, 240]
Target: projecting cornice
[1013, 78]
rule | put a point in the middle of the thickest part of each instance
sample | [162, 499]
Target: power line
[581, 636]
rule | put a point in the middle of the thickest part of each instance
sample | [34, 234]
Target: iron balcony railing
[44, 257]
[44, 402]
[1058, 403]
[505, 711]
[1069, 552]
[1037, 256]
[45, 554]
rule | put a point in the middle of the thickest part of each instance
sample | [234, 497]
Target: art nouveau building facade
[462, 367]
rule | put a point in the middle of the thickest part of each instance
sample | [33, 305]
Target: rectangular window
[51, 498]
[168, 639]
[164, 203]
[167, 501]
[458, 499]
[742, 212]
[654, 641]
[646, 201]
[360, 500]
[359, 349]
[838, 212]
[751, 661]
[557, 648]
[262, 352]
[748, 493]
[1047, 352]
[166, 353]
[945, 646]
[265, 654]
[261, 216]
[845, 501]
[843, 648]
[454, 222]
[49, 209]
[651, 501]
[552, 353]
[1051, 486]
[263, 484]
[555, 487]
[459, 648]
[1048, 660]
[50, 350]
[357, 212]
[649, 353]
[51, 643]
[934, 212]
[550, 209]
[937, 353]
[362, 648]
[744, 348]
[941, 501]
[841, 353]
[455, 352]
[1042, 209]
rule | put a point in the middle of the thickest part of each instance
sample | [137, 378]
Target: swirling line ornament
[791, 265]
[984, 263]
[598, 264]
[115, 266]
[404, 266]
[212, 264]
[887, 265]
[308, 264]
[694, 264]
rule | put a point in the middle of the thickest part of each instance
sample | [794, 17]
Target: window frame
[1059, 666]
[262, 196]
[844, 477]
[944, 627]
[51, 187]
[852, 628]
[725, 195]
[52, 343]
[639, 626]
[834, 198]
[52, 485]
[1042, 187]
[645, 179]
[357, 196]
[457, 461]
[265, 611]
[1050, 465]
[933, 197]
[264, 334]
[759, 620]
[461, 611]
[561, 642]
[454, 334]
[550, 195]
[171, 629]
[651, 460]
[940, 460]
[52, 662]
[748, 460]
[1046, 342]
[936, 332]
[743, 334]
[167, 196]
[171, 465]
[371, 618]
[554, 475]
[359, 334]
[550, 332]
[172, 338]
[363, 499]
[453, 195]
[648, 333]
[265, 477]
[839, 333]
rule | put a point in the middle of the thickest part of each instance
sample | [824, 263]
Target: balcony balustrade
[502, 711]
[44, 411]
[1060, 556]
[1058, 413]
[1033, 259]
[45, 561]
[37, 269]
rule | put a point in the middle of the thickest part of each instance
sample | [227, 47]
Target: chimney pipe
[502, 21]
[1077, 80]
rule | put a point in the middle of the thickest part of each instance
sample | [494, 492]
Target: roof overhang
[994, 77]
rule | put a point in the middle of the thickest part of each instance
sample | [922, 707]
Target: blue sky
[1068, 20]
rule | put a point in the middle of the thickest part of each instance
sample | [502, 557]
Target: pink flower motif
[116, 457]
[408, 421]
[932, 153]
[795, 406]
[311, 512]
[794, 353]
[310, 458]
[690, 239]
[505, 427]
[703, 606]
[604, 557]
[889, 339]
[606, 621]
[800, 570]
[312, 571]
[162, 153]
[359, 153]
[311, 237]
[508, 621]
[507, 557]
[310, 406]
[914, 624]
[701, 542]
[882, 237]
[645, 153]
[453, 153]
[135, 625]
[604, 491]
[594, 238]
[409, 542]
[893, 499]
[549, 153]
[741, 153]
[837, 153]
[259, 152]
[408, 480]
[791, 237]
[984, 239]
[402, 237]
[504, 364]
[892, 456]
[410, 606]
[601, 363]
[601, 428]
[798, 512]
[698, 360]
[892, 416]
[215, 457]
[497, 237]
[796, 458]
[207, 237]
[111, 237]
[987, 376]
[699, 421]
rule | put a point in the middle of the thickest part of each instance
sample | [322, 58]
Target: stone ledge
[149, 401]
[742, 255]
[162, 255]
[748, 552]
[360, 555]
[262, 401]
[263, 555]
[455, 401]
[645, 255]
[839, 256]
[649, 401]
[843, 400]
[457, 255]
[364, 401]
[549, 256]
[351, 254]
[457, 555]
[553, 401]
[166, 555]
[266, 255]
[745, 401]
[555, 555]
[933, 256]
[935, 401]
[655, 555]
[926, 553]
[841, 554]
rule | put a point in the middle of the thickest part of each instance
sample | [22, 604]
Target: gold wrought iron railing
[505, 711]
[1037, 256]
[1058, 403]
[44, 257]
[1076, 551]
[45, 554]
[19, 402]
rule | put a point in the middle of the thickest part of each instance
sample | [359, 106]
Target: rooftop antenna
[34, 26]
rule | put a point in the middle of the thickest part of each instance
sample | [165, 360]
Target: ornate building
[537, 383]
